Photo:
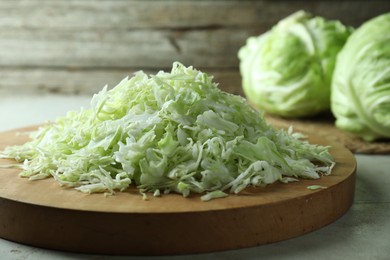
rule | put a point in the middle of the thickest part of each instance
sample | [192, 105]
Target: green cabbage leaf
[360, 98]
[287, 71]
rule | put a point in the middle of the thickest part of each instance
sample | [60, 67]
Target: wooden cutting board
[41, 213]
[324, 125]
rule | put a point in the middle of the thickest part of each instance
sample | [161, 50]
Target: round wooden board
[324, 125]
[41, 213]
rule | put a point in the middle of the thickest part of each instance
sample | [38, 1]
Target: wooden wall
[78, 46]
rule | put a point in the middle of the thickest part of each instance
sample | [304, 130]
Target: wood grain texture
[41, 213]
[135, 48]
[130, 14]
[76, 37]
[38, 81]
[324, 125]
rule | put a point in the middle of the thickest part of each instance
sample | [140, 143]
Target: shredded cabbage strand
[169, 132]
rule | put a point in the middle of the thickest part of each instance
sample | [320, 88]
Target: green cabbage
[287, 71]
[360, 98]
[169, 132]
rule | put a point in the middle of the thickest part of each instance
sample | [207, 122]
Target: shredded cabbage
[169, 132]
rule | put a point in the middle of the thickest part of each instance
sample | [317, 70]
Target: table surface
[362, 233]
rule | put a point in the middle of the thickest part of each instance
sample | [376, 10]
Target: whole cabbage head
[287, 71]
[360, 98]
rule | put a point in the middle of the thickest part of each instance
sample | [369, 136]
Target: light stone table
[362, 233]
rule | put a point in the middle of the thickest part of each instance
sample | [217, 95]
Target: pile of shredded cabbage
[169, 132]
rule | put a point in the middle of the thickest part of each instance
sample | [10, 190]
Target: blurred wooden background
[76, 47]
